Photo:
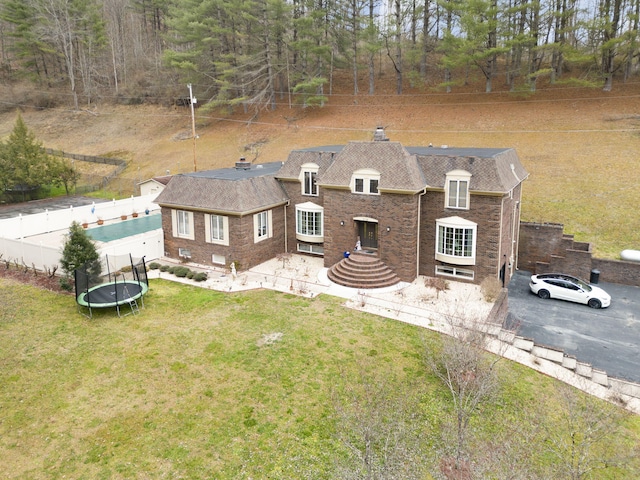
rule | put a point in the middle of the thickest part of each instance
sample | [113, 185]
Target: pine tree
[79, 251]
[23, 162]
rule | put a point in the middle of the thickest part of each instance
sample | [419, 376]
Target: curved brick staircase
[362, 270]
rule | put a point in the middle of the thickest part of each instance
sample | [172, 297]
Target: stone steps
[362, 270]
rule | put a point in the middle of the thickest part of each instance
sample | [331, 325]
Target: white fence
[51, 221]
[22, 238]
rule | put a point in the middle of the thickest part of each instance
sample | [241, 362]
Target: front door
[368, 232]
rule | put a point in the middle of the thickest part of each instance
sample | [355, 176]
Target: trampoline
[127, 285]
[112, 294]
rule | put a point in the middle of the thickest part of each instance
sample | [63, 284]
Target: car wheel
[544, 294]
[594, 303]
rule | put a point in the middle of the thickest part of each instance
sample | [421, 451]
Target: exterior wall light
[388, 229]
[342, 223]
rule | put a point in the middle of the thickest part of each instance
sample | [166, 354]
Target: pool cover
[126, 228]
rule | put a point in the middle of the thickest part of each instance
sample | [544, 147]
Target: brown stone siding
[241, 249]
[485, 212]
[294, 192]
[396, 248]
[544, 247]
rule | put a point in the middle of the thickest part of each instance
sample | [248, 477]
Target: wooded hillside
[260, 52]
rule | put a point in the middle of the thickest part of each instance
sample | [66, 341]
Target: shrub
[490, 288]
[200, 276]
[154, 266]
[180, 272]
[165, 268]
[65, 284]
[190, 274]
[437, 283]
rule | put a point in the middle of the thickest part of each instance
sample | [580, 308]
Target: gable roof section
[160, 180]
[321, 157]
[226, 190]
[492, 169]
[399, 170]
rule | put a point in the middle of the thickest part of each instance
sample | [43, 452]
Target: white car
[572, 289]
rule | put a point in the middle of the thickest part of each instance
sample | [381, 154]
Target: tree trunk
[398, 55]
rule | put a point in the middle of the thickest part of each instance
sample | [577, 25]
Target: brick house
[451, 212]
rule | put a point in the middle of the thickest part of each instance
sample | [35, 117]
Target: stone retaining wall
[544, 247]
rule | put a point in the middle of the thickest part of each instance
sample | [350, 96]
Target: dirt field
[579, 145]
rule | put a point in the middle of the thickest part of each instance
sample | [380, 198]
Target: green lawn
[194, 388]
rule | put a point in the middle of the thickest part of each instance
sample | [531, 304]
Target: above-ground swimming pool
[126, 228]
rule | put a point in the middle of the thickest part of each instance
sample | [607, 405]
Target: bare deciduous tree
[585, 437]
[470, 376]
[378, 425]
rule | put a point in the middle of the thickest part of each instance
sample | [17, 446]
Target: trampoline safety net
[111, 282]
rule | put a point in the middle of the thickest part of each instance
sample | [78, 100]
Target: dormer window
[457, 189]
[308, 176]
[365, 181]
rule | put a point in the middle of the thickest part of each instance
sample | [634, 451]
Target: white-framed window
[216, 229]
[218, 259]
[365, 181]
[184, 253]
[308, 177]
[262, 226]
[457, 189]
[311, 248]
[310, 222]
[182, 224]
[310, 187]
[456, 241]
[452, 271]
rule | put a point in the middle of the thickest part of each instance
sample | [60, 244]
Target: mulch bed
[37, 279]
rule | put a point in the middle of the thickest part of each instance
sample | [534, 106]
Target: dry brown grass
[579, 145]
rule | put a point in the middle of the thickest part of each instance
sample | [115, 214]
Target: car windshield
[584, 285]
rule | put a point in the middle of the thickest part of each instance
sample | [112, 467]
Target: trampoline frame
[121, 294]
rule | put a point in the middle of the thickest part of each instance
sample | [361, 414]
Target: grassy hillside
[262, 385]
[579, 145]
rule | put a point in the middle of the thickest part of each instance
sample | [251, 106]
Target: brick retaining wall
[544, 247]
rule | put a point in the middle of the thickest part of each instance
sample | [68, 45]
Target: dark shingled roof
[226, 190]
[291, 168]
[492, 170]
[242, 191]
[398, 169]
[490, 167]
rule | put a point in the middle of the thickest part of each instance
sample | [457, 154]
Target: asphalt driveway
[608, 338]
[38, 206]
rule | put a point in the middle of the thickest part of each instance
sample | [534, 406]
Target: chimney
[379, 135]
[242, 164]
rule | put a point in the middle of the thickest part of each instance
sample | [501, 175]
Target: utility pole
[193, 100]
